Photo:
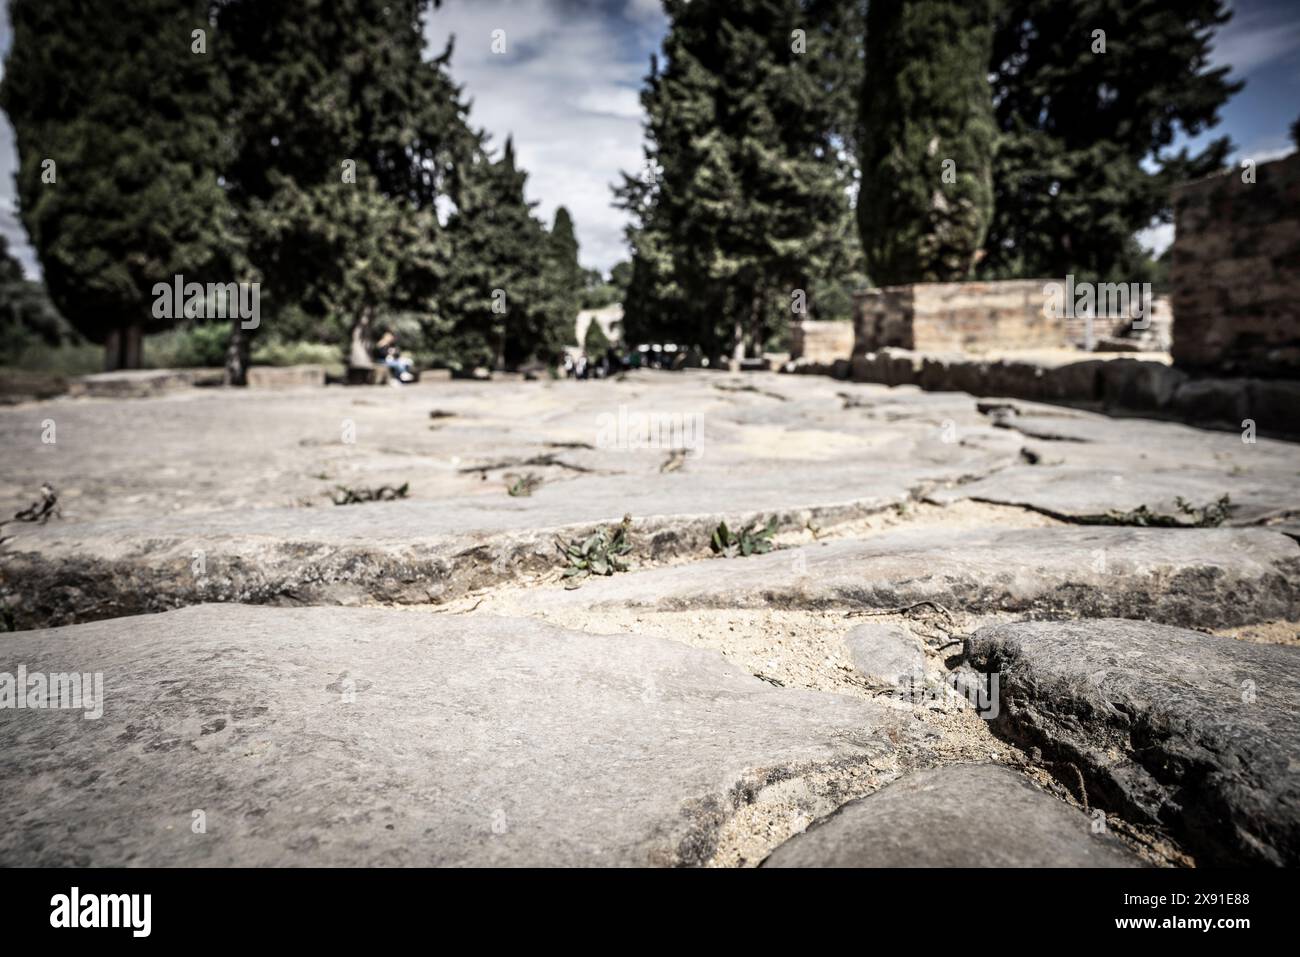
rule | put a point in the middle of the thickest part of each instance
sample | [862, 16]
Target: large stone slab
[245, 478]
[140, 383]
[962, 816]
[1171, 728]
[1094, 469]
[1207, 577]
[328, 736]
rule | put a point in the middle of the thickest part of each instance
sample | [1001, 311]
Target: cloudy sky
[566, 89]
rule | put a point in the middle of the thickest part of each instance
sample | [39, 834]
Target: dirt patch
[1264, 633]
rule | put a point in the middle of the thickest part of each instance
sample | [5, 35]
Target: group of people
[575, 365]
[582, 366]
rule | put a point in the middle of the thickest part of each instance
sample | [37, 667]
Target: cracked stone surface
[1214, 576]
[694, 710]
[960, 816]
[468, 741]
[1190, 732]
[1090, 467]
[140, 495]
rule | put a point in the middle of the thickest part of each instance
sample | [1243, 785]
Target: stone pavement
[692, 710]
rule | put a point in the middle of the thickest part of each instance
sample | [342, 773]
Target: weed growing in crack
[522, 485]
[751, 541]
[1208, 516]
[600, 553]
[355, 496]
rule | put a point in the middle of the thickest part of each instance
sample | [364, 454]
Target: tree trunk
[756, 324]
[737, 345]
[237, 354]
[113, 351]
[359, 352]
[124, 348]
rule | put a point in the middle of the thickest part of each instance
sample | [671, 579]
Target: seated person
[399, 367]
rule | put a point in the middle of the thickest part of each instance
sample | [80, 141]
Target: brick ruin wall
[957, 317]
[821, 341]
[1235, 273]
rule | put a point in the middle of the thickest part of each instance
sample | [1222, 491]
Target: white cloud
[10, 227]
[1156, 239]
[1255, 38]
[567, 90]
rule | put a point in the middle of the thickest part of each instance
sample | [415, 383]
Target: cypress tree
[498, 299]
[565, 274]
[927, 139]
[118, 125]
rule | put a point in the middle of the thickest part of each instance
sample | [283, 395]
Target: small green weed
[751, 541]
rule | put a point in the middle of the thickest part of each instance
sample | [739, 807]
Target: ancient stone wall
[1235, 272]
[957, 316]
[821, 341]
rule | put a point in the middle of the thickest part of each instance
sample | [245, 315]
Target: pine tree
[1089, 96]
[742, 191]
[118, 125]
[927, 140]
[339, 119]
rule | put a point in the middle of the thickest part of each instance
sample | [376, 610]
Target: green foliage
[348, 233]
[927, 140]
[28, 320]
[133, 122]
[278, 353]
[600, 553]
[193, 345]
[754, 540]
[564, 274]
[1083, 161]
[595, 342]
[743, 196]
[599, 291]
[501, 301]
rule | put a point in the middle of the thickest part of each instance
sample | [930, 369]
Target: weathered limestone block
[1172, 728]
[972, 815]
[821, 341]
[965, 316]
[1138, 386]
[285, 377]
[367, 736]
[138, 383]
